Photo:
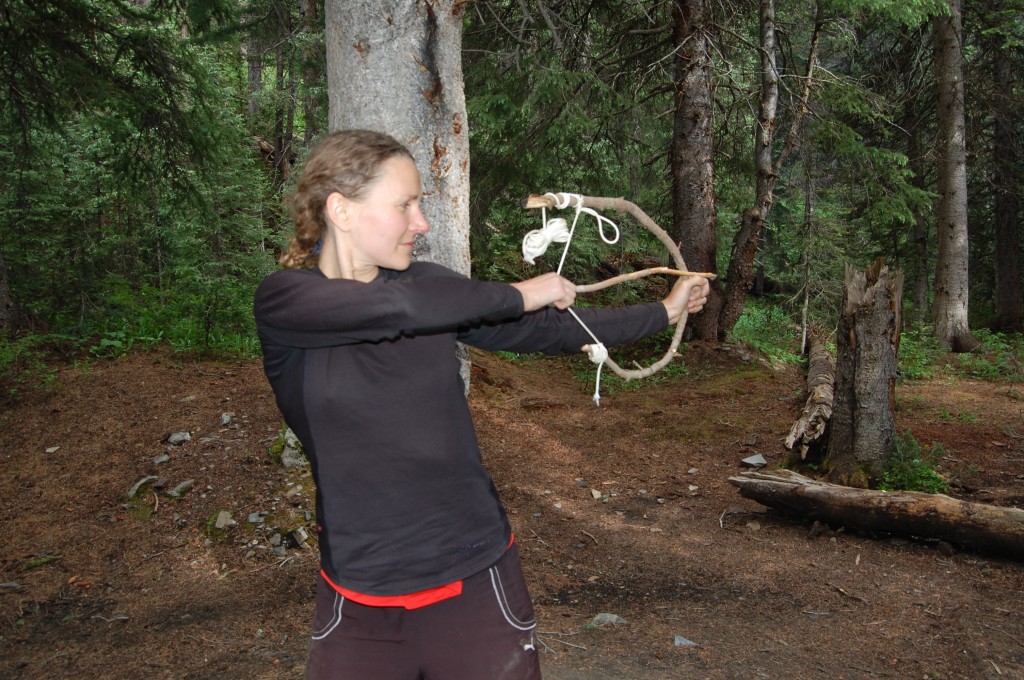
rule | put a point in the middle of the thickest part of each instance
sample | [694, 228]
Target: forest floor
[707, 584]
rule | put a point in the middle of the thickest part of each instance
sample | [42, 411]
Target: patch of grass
[25, 363]
[585, 371]
[41, 562]
[918, 353]
[768, 329]
[1000, 356]
[911, 469]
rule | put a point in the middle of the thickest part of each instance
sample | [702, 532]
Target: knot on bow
[536, 242]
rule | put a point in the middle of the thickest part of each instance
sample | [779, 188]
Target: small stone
[181, 489]
[225, 418]
[596, 494]
[581, 483]
[755, 461]
[691, 471]
[163, 458]
[178, 438]
[275, 540]
[683, 642]
[280, 551]
[255, 517]
[224, 520]
[185, 400]
[605, 618]
[53, 449]
[298, 536]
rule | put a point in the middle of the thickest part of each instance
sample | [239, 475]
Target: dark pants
[486, 633]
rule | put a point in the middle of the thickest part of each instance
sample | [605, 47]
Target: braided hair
[346, 162]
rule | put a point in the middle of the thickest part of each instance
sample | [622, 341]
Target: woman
[420, 577]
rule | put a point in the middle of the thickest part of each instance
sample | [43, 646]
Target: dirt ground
[624, 509]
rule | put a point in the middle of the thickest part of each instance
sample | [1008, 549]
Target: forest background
[148, 148]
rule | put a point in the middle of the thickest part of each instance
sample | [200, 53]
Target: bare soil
[624, 509]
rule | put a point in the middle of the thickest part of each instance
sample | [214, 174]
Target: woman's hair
[347, 162]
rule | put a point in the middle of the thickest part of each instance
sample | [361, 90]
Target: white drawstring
[536, 243]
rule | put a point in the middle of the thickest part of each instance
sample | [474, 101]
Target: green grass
[768, 329]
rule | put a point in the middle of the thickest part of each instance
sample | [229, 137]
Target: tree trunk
[396, 66]
[952, 328]
[919, 257]
[867, 342]
[744, 245]
[1007, 202]
[695, 225]
[989, 528]
[748, 236]
[312, 71]
[810, 429]
[10, 315]
[253, 51]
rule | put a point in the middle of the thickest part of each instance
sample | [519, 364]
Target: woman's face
[384, 224]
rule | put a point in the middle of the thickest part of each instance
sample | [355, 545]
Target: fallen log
[977, 526]
[821, 375]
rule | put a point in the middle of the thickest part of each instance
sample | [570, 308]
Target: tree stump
[867, 343]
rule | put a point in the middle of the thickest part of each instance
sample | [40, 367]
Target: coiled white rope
[536, 243]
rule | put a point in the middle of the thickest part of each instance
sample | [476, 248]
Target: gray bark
[867, 345]
[695, 225]
[395, 66]
[952, 328]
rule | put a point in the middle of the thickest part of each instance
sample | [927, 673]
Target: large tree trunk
[952, 328]
[867, 342]
[395, 66]
[1007, 202]
[695, 226]
[977, 526]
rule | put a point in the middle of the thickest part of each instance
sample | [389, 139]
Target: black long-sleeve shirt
[367, 376]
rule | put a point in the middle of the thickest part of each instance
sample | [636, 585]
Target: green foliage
[24, 363]
[918, 352]
[1001, 356]
[910, 469]
[767, 328]
[906, 12]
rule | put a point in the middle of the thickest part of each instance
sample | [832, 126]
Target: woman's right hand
[546, 289]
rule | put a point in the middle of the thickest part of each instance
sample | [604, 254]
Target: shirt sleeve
[304, 308]
[553, 331]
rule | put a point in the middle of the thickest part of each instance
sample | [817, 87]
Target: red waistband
[420, 598]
